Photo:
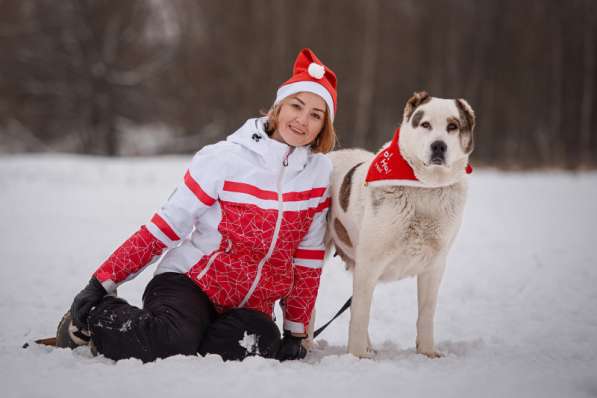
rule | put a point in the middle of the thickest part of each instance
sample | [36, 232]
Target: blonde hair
[326, 139]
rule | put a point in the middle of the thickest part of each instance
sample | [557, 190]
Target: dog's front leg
[309, 342]
[427, 290]
[363, 284]
[358, 333]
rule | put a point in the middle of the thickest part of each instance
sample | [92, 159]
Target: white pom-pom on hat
[315, 70]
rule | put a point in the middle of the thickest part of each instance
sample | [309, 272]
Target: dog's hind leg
[427, 290]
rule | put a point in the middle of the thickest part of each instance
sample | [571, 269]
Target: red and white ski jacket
[247, 225]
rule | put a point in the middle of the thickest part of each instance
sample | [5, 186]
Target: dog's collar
[390, 168]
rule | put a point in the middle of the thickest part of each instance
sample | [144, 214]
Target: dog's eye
[452, 127]
[426, 125]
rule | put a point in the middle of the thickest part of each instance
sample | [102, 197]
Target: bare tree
[84, 64]
[368, 65]
[588, 84]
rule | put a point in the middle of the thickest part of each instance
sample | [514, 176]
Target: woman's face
[301, 119]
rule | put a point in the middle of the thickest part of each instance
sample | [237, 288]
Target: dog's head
[436, 137]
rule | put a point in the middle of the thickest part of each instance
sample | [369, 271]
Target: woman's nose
[302, 118]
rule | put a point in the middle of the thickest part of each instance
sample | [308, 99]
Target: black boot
[70, 336]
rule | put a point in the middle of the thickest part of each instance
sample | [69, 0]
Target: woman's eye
[426, 125]
[295, 106]
[452, 127]
[316, 116]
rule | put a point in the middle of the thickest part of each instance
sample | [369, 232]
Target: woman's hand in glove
[291, 347]
[85, 301]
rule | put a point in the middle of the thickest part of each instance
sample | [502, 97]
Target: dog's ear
[467, 115]
[416, 100]
[467, 124]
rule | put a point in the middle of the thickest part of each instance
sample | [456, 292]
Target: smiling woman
[243, 230]
[298, 119]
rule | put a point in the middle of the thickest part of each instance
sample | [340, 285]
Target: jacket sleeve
[172, 222]
[307, 265]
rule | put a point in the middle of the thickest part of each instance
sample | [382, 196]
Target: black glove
[85, 301]
[291, 348]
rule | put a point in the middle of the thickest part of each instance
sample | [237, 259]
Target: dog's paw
[310, 344]
[371, 352]
[367, 353]
[431, 354]
[428, 350]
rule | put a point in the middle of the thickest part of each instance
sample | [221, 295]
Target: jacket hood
[252, 136]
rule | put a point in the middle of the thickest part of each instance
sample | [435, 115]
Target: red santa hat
[311, 75]
[390, 168]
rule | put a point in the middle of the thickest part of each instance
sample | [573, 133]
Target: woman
[243, 230]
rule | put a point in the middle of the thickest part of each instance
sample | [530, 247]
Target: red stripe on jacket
[309, 254]
[249, 189]
[241, 187]
[164, 227]
[196, 189]
[303, 195]
[323, 205]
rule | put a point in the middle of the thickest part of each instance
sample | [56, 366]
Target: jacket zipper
[276, 232]
[213, 258]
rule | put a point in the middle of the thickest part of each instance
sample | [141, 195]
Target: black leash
[344, 308]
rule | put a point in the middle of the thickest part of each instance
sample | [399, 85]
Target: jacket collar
[252, 136]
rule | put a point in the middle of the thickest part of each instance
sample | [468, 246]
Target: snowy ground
[517, 311]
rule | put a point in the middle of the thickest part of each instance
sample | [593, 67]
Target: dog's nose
[438, 152]
[439, 148]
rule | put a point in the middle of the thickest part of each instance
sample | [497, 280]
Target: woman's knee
[240, 333]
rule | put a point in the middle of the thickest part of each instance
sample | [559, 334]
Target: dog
[395, 214]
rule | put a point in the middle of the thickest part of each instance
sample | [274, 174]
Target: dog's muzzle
[438, 152]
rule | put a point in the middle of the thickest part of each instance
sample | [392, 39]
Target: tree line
[75, 75]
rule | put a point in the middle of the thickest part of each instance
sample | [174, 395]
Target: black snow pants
[178, 318]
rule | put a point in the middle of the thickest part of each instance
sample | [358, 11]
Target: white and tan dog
[396, 214]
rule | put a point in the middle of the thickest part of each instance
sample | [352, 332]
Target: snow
[250, 342]
[517, 311]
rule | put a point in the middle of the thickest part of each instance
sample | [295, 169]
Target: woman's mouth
[296, 131]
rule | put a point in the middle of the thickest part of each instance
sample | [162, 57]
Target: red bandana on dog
[390, 168]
